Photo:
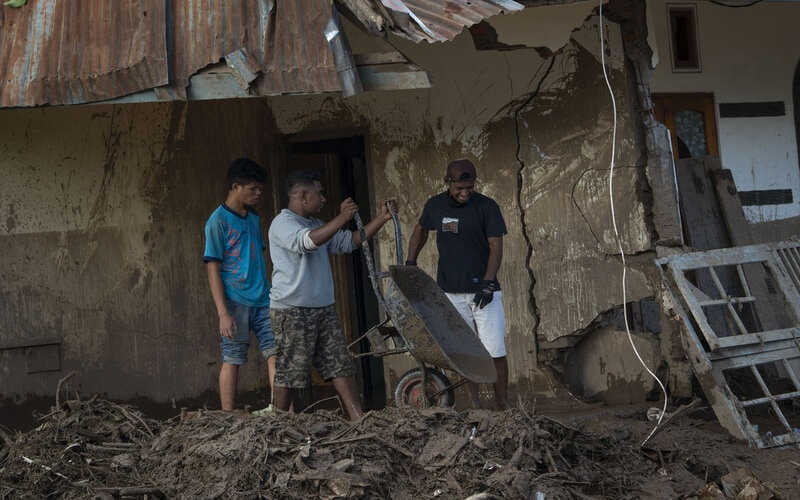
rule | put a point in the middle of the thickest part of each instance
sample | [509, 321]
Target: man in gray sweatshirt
[307, 329]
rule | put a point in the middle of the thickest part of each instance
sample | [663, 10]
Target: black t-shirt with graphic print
[461, 238]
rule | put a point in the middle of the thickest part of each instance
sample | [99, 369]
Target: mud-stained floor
[99, 449]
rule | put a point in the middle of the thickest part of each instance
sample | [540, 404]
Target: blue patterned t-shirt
[237, 244]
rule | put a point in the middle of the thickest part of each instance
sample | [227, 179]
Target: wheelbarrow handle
[398, 240]
[368, 257]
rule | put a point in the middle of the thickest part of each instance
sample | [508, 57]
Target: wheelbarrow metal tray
[434, 330]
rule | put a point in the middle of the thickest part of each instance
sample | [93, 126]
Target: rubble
[101, 449]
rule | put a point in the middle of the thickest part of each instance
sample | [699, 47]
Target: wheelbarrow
[423, 323]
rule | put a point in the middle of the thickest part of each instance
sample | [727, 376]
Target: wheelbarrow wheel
[408, 392]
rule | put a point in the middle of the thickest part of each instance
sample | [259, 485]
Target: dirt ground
[98, 449]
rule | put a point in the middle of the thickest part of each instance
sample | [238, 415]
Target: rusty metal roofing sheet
[72, 52]
[55, 52]
[426, 20]
[299, 57]
[286, 38]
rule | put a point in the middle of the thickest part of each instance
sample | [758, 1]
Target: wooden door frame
[666, 104]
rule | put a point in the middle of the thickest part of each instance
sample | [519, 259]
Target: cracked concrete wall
[567, 188]
[540, 131]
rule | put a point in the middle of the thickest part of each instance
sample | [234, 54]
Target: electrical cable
[616, 231]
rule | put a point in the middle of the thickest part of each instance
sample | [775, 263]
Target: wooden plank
[219, 83]
[702, 224]
[700, 211]
[788, 301]
[374, 79]
[756, 342]
[373, 58]
[32, 342]
[768, 399]
[703, 321]
[722, 257]
[761, 358]
[731, 206]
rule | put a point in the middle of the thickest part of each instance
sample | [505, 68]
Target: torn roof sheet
[426, 20]
[269, 30]
[59, 53]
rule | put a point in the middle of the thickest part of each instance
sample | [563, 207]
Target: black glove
[411, 262]
[485, 294]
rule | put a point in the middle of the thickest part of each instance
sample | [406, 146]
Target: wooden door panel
[669, 108]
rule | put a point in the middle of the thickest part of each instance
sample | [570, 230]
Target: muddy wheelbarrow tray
[426, 325]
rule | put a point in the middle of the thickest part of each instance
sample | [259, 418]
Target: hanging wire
[616, 232]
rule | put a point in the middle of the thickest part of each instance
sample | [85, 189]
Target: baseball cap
[461, 170]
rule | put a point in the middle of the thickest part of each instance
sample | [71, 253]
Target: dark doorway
[342, 162]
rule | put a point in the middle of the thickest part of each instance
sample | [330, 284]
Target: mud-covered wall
[541, 129]
[102, 216]
[104, 206]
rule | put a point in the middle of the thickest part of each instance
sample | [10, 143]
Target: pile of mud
[101, 449]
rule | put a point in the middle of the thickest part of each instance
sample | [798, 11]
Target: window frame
[693, 63]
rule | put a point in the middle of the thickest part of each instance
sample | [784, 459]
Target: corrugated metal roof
[55, 52]
[286, 38]
[300, 59]
[72, 52]
[426, 20]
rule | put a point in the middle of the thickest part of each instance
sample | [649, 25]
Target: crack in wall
[531, 297]
[580, 210]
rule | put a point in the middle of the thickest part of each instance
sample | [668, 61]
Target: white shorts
[489, 322]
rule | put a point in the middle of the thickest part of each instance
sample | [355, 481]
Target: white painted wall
[748, 55]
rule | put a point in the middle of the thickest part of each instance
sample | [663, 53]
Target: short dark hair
[301, 178]
[244, 171]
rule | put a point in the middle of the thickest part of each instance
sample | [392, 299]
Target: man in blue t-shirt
[237, 276]
[469, 237]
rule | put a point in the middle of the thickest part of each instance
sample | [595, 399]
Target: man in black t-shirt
[469, 237]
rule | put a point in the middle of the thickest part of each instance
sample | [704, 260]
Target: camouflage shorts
[306, 337]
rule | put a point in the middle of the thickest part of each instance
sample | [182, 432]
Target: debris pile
[101, 449]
